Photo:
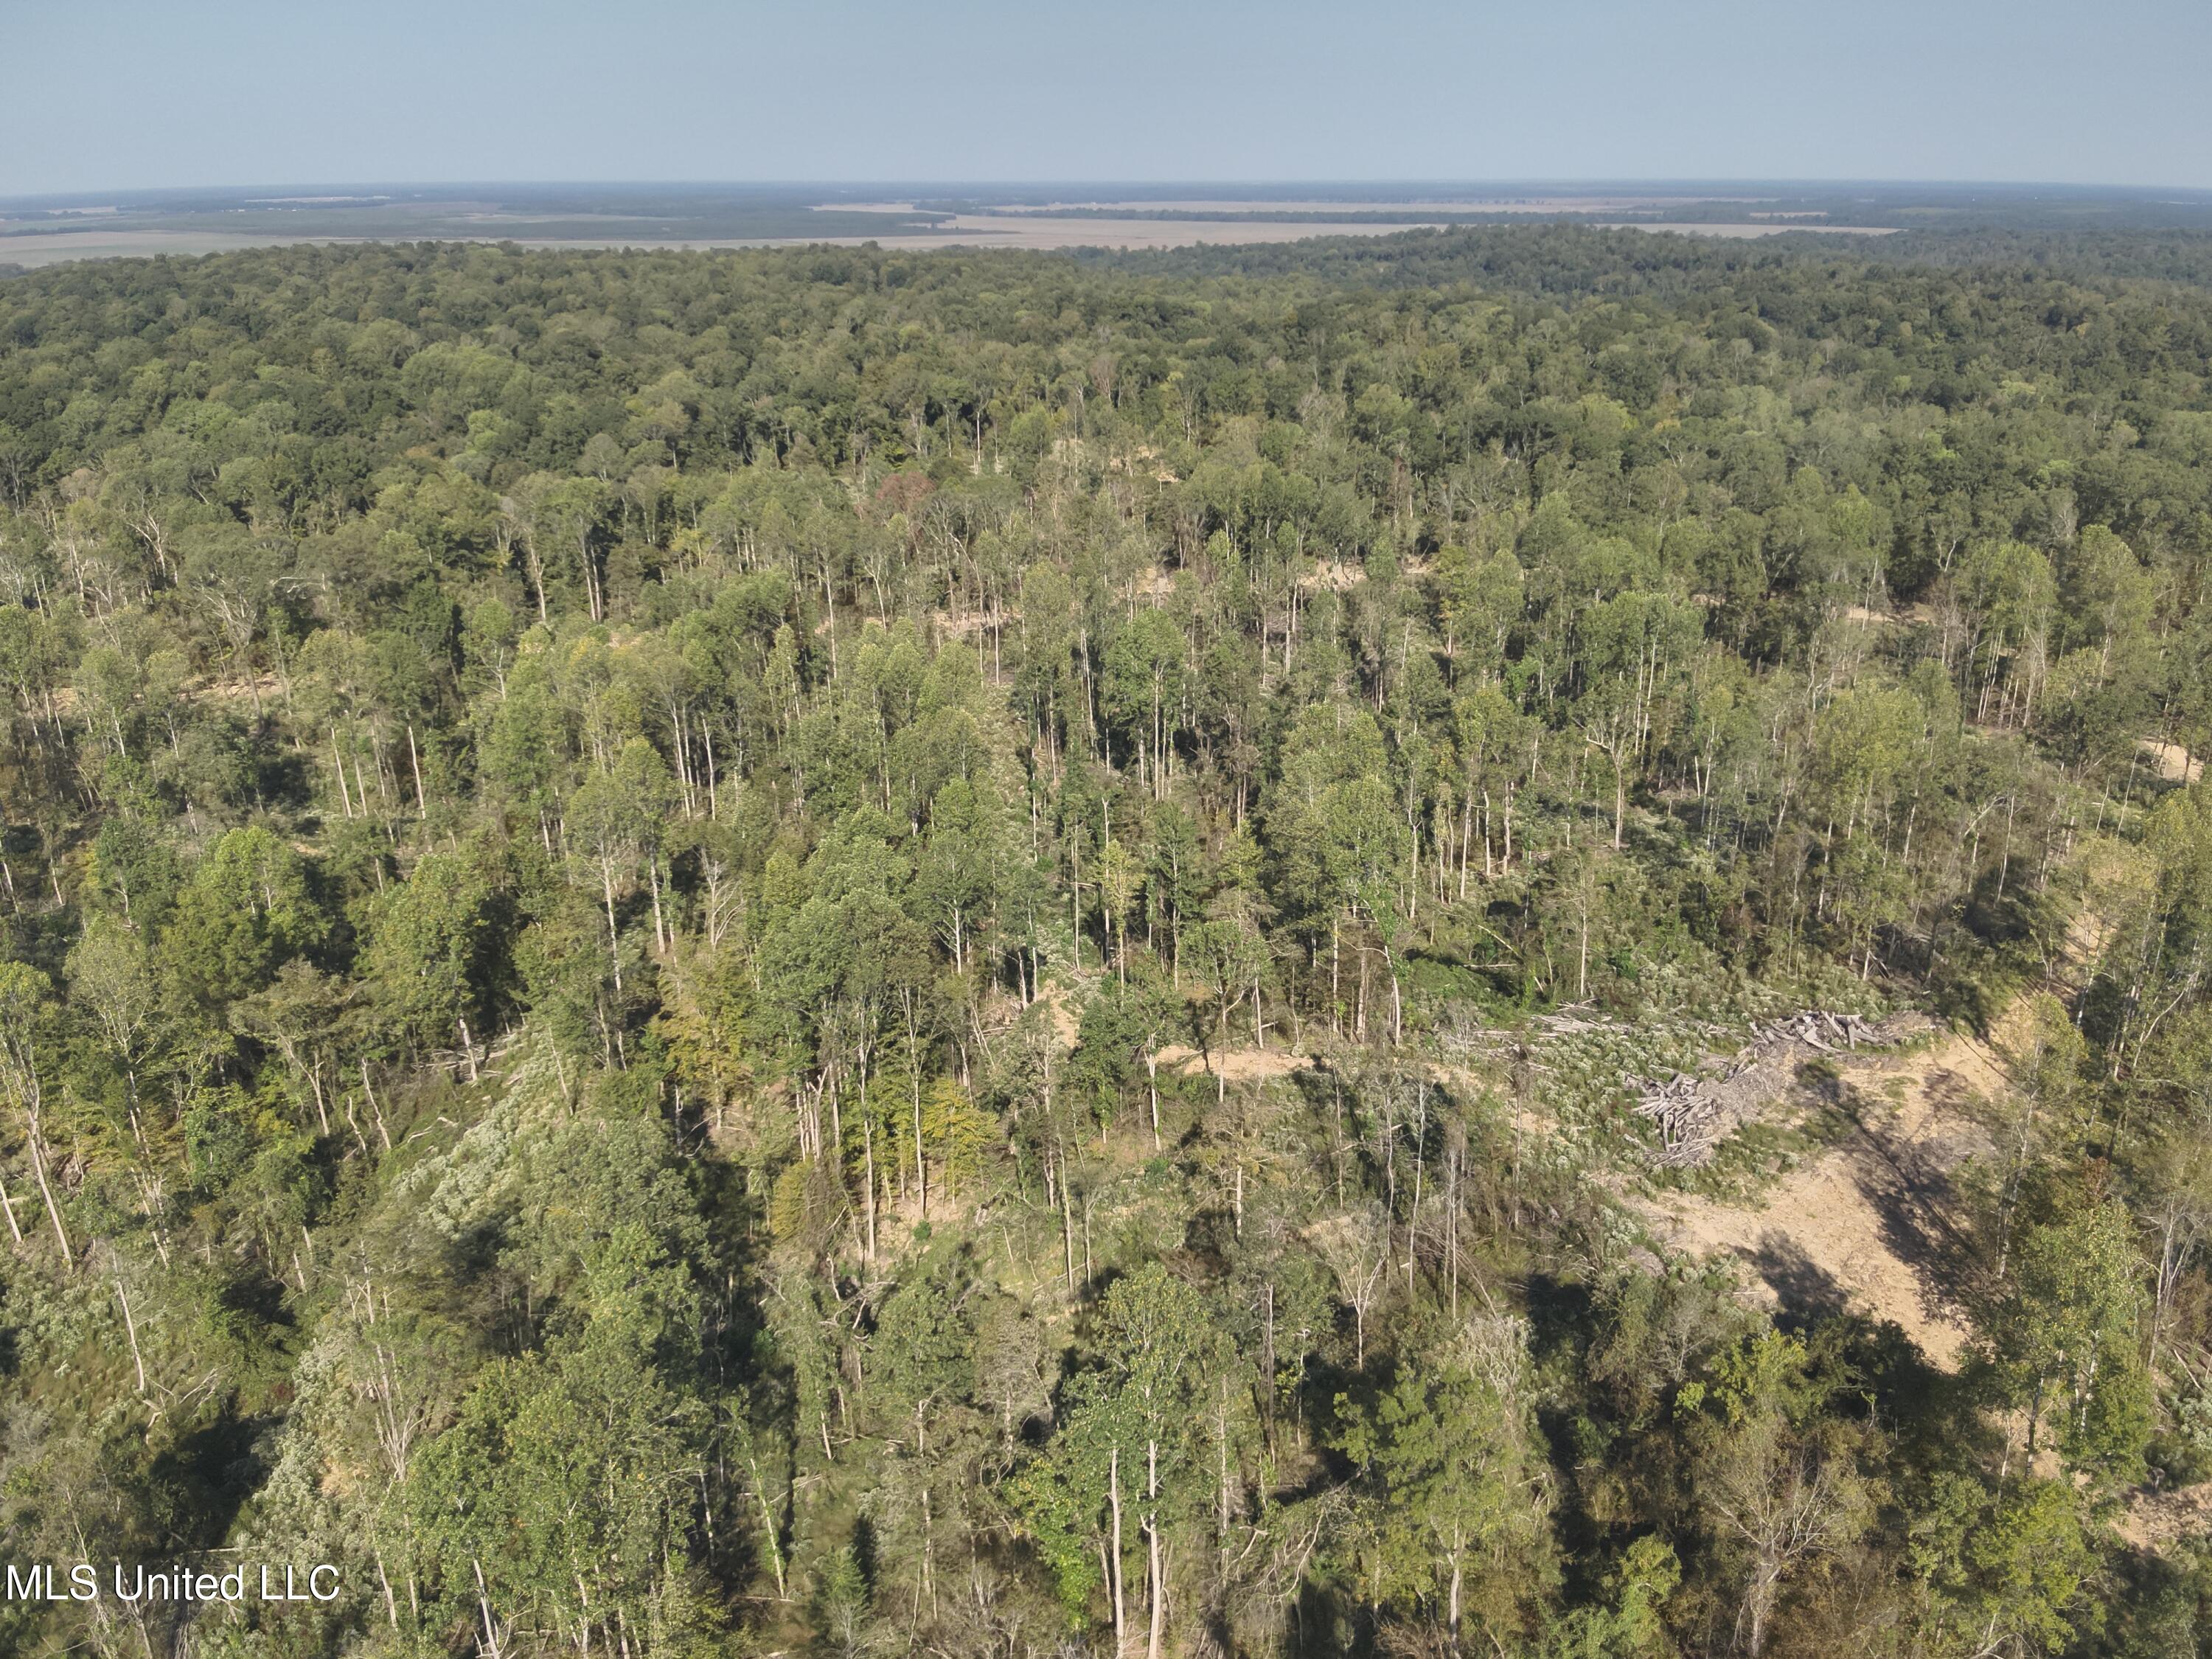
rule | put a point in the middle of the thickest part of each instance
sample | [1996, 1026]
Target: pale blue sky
[109, 94]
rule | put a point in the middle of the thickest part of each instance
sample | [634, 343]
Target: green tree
[248, 907]
[562, 1498]
[2066, 1338]
[435, 952]
[1452, 1486]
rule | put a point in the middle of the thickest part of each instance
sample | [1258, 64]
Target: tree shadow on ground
[1806, 1292]
[1924, 1220]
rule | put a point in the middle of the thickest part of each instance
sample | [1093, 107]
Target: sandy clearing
[1237, 1064]
[2175, 764]
[2154, 1520]
[37, 248]
[1038, 227]
[1866, 1223]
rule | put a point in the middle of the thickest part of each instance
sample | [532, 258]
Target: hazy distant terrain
[45, 230]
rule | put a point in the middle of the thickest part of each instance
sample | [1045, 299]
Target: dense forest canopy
[853, 951]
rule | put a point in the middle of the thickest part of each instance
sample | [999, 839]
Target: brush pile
[1694, 1113]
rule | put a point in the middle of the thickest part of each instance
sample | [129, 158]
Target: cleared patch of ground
[1338, 204]
[1237, 1064]
[1871, 1223]
[1043, 231]
[2175, 763]
[2155, 1520]
[35, 249]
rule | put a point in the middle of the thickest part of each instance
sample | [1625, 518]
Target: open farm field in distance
[42, 231]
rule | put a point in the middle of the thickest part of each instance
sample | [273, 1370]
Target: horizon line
[1462, 183]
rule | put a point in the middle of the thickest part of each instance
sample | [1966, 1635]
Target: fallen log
[1693, 1114]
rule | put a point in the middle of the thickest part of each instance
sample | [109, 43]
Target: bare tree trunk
[662, 937]
[1113, 1497]
[1152, 1084]
[914, 1072]
[483, 1606]
[1066, 1225]
[868, 1153]
[1152, 1532]
[375, 1110]
[422, 805]
[614, 941]
[338, 760]
[46, 1192]
[131, 1329]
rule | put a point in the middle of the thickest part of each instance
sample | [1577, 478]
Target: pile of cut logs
[1813, 1027]
[1694, 1113]
[1689, 1120]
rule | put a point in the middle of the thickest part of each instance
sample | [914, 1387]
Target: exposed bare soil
[1869, 1222]
[2175, 763]
[2154, 1520]
[1237, 1064]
